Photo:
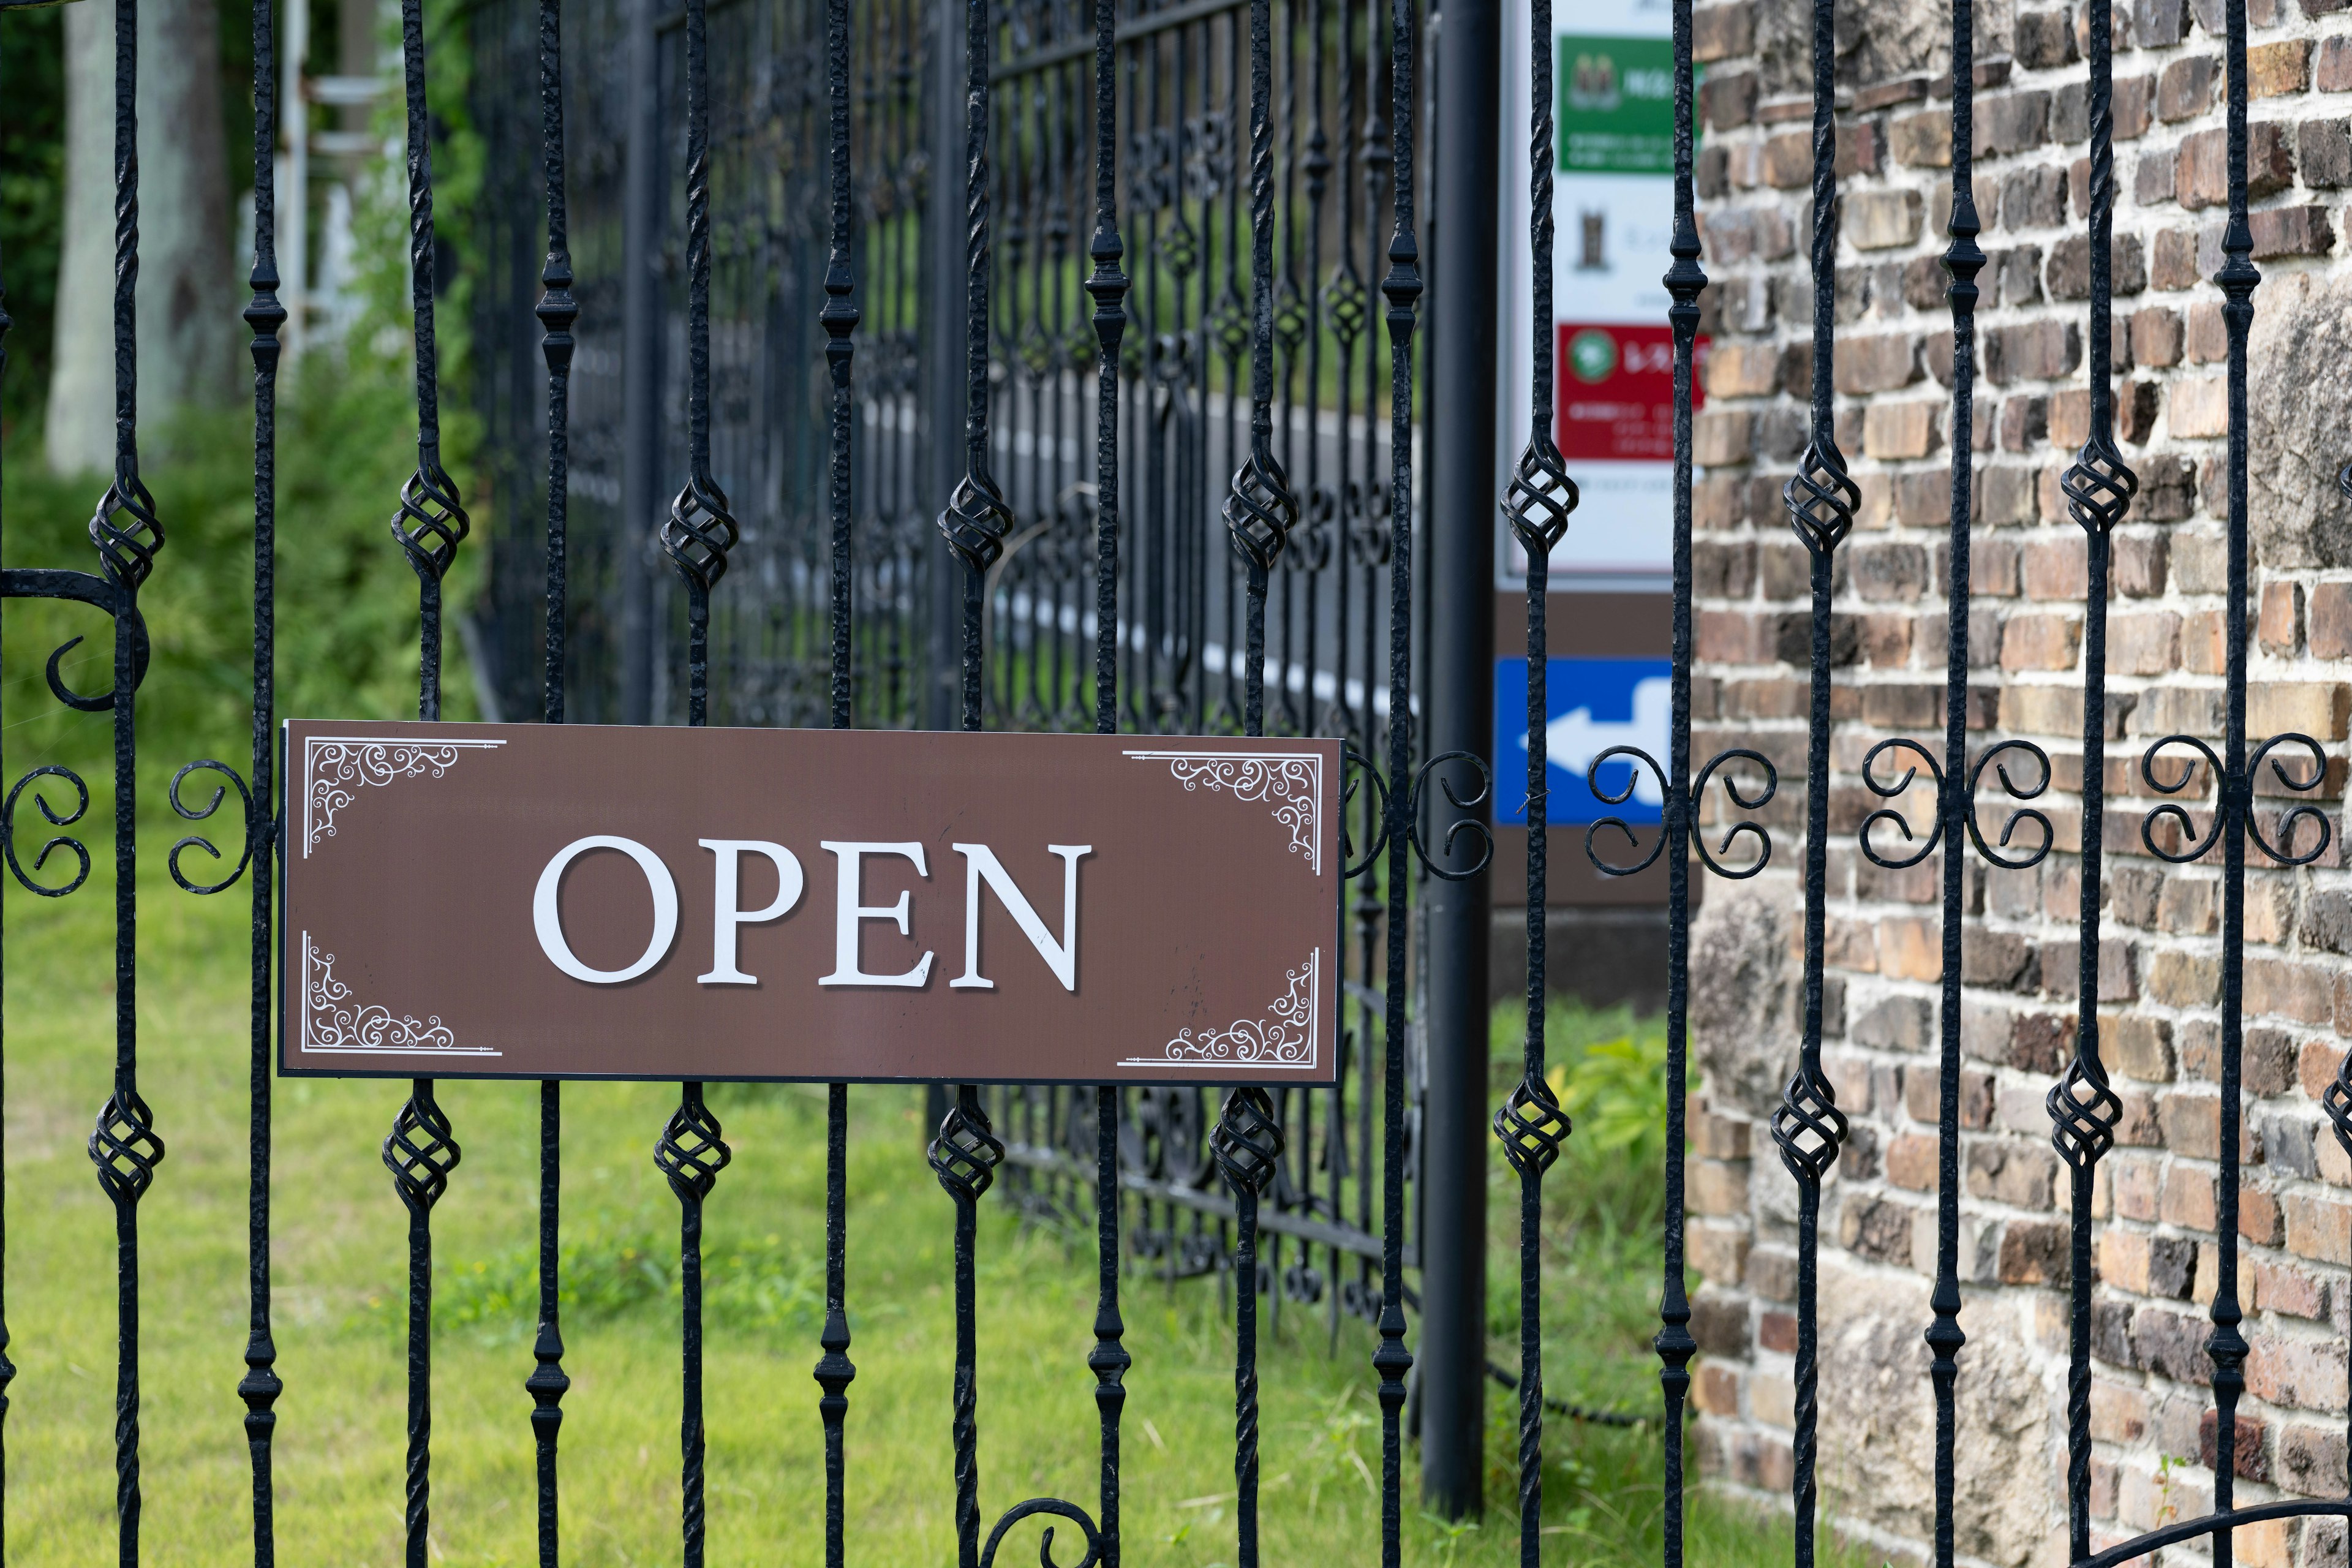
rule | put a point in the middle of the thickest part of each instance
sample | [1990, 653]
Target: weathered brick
[2171, 1343]
[2033, 350]
[2289, 1289]
[2276, 69]
[2305, 230]
[1789, 160]
[2279, 626]
[2185, 91]
[2310, 707]
[2032, 198]
[2204, 175]
[2056, 567]
[2159, 24]
[1742, 369]
[1719, 1323]
[2144, 643]
[2034, 1253]
[2248, 1460]
[2192, 1122]
[2333, 72]
[1922, 140]
[2069, 272]
[2303, 1375]
[2045, 39]
[1880, 220]
[1893, 431]
[2153, 336]
[2311, 1459]
[1723, 32]
[2318, 1227]
[2324, 149]
[2142, 1047]
[2014, 1172]
[1911, 1162]
[1879, 363]
[1876, 1229]
[2331, 620]
[2199, 406]
[2118, 1412]
[2173, 263]
[1721, 435]
[1728, 99]
[2187, 1198]
[2012, 122]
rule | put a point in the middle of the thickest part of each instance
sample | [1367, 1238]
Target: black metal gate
[1198, 357]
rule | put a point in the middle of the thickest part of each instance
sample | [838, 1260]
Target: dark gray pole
[942, 416]
[641, 336]
[1460, 698]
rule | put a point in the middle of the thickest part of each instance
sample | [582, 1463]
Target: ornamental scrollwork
[1284, 1037]
[333, 1021]
[1291, 781]
[335, 768]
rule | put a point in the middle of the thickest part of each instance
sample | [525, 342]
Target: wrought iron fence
[692, 319]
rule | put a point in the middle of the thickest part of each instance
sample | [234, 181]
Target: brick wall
[2160, 958]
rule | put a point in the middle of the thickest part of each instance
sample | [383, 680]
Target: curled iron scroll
[1353, 765]
[2173, 810]
[1461, 824]
[1731, 789]
[1892, 790]
[8, 830]
[2023, 814]
[1054, 1507]
[1640, 759]
[198, 814]
[2303, 811]
[83, 587]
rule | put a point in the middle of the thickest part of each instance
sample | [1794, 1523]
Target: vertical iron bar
[1108, 286]
[964, 1157]
[557, 310]
[1685, 280]
[839, 318]
[8, 1367]
[420, 1151]
[2236, 278]
[1537, 503]
[1402, 287]
[2099, 487]
[1806, 1126]
[265, 316]
[642, 330]
[1962, 260]
[124, 1146]
[697, 537]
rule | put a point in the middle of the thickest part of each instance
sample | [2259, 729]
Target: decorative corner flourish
[333, 1024]
[1286, 1036]
[335, 767]
[1292, 781]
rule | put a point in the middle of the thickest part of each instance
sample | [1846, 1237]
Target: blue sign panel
[1591, 704]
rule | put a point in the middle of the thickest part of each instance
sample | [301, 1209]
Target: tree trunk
[188, 295]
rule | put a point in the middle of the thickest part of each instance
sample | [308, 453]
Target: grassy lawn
[339, 1271]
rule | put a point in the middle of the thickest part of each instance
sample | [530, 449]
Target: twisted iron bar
[127, 533]
[8, 1367]
[1248, 1146]
[691, 1152]
[1806, 1126]
[964, 1157]
[421, 1152]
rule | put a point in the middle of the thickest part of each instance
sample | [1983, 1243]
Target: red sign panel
[1616, 392]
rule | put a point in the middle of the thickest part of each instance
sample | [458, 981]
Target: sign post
[540, 901]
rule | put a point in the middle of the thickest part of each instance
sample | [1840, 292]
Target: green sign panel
[1616, 107]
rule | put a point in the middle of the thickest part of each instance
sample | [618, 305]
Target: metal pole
[642, 501]
[1461, 700]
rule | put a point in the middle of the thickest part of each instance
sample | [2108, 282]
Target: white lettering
[849, 912]
[726, 918]
[980, 865]
[547, 915]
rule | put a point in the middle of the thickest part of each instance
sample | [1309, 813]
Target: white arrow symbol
[1575, 737]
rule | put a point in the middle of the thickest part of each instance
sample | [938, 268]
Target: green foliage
[32, 196]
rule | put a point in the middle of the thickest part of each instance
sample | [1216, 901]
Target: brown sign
[530, 900]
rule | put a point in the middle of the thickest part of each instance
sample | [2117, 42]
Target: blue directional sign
[1591, 704]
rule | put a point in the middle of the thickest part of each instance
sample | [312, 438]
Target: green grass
[338, 1281]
